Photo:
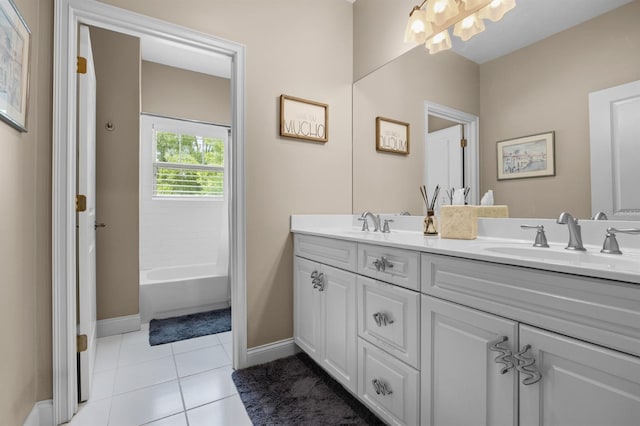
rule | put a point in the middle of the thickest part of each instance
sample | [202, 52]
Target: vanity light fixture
[430, 24]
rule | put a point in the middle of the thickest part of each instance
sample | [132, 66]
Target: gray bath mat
[296, 391]
[188, 326]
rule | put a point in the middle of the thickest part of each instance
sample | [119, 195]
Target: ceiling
[529, 22]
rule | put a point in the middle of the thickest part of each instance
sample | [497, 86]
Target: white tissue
[487, 198]
[458, 197]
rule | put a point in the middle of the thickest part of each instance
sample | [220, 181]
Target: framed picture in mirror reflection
[527, 157]
[392, 136]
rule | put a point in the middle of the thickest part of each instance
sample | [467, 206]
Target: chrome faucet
[600, 216]
[374, 218]
[575, 232]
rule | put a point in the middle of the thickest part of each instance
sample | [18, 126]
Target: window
[187, 164]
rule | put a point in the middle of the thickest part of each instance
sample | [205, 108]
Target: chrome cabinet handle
[525, 367]
[317, 279]
[382, 264]
[505, 354]
[381, 387]
[381, 319]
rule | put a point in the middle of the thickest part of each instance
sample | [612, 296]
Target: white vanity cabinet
[556, 380]
[324, 312]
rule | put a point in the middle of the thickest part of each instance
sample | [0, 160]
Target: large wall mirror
[540, 88]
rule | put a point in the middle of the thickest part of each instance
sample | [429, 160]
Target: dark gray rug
[296, 391]
[188, 326]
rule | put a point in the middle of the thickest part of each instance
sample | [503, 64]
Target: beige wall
[25, 234]
[285, 54]
[117, 62]
[178, 93]
[545, 87]
[384, 182]
[378, 32]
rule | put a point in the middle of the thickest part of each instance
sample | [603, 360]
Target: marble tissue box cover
[461, 222]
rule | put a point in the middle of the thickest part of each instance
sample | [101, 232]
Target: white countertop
[518, 251]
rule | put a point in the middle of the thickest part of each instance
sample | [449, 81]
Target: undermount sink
[559, 255]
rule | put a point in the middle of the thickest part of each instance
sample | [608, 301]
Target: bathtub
[181, 290]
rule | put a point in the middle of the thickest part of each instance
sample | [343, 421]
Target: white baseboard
[271, 352]
[41, 414]
[119, 325]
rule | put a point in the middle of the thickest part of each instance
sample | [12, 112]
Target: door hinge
[81, 344]
[463, 143]
[82, 65]
[81, 203]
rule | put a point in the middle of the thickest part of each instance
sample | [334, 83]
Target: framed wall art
[14, 66]
[304, 119]
[392, 136]
[527, 157]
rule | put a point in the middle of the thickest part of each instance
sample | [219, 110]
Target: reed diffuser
[430, 219]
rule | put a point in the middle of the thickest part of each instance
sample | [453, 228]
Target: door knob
[99, 225]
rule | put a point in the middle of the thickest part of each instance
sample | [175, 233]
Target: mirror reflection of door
[444, 157]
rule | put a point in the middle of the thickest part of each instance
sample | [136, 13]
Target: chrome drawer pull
[381, 319]
[381, 387]
[505, 354]
[524, 367]
[382, 264]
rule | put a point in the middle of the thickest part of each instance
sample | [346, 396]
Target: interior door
[614, 126]
[443, 159]
[87, 219]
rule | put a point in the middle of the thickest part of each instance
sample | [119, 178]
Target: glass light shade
[470, 4]
[496, 9]
[418, 28]
[468, 27]
[439, 42]
[440, 11]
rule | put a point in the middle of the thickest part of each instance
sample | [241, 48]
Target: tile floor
[177, 384]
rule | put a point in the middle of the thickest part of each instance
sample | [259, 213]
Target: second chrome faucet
[575, 232]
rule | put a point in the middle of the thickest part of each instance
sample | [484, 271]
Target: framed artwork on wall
[14, 66]
[392, 136]
[304, 119]
[527, 157]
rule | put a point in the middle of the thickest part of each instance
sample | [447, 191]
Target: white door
[306, 307]
[582, 384]
[615, 150]
[338, 289]
[443, 159]
[461, 381]
[87, 219]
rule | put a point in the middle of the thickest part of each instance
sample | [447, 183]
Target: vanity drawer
[601, 311]
[393, 265]
[388, 386]
[389, 317]
[338, 253]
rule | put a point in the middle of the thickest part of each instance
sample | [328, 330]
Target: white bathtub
[181, 290]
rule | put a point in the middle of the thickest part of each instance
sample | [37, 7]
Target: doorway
[68, 15]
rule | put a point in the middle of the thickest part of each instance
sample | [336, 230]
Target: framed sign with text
[304, 119]
[392, 136]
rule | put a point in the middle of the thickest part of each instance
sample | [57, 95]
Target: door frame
[68, 15]
[471, 126]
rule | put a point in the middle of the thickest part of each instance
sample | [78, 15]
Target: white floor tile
[107, 353]
[102, 385]
[225, 337]
[136, 376]
[136, 350]
[228, 350]
[195, 343]
[228, 411]
[207, 387]
[92, 413]
[177, 420]
[146, 405]
[201, 360]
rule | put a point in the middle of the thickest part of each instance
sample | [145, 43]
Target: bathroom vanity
[448, 332]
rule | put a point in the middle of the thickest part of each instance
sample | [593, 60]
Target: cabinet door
[582, 384]
[461, 381]
[338, 326]
[306, 307]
